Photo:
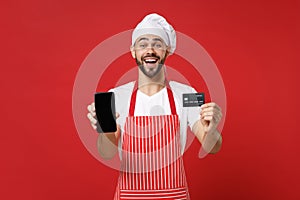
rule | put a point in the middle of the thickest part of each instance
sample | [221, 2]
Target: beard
[150, 73]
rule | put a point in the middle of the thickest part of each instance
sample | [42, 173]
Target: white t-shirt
[157, 104]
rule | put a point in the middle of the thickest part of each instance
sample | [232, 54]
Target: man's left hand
[210, 116]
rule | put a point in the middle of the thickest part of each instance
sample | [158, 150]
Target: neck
[150, 86]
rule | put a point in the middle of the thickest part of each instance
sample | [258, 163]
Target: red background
[255, 45]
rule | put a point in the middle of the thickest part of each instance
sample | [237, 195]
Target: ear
[168, 51]
[132, 52]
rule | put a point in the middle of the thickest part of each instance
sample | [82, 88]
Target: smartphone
[105, 112]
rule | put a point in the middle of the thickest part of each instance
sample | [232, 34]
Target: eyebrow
[157, 39]
[154, 39]
[143, 38]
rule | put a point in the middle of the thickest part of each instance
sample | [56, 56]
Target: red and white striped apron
[152, 166]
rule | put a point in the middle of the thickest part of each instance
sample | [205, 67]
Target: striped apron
[152, 166]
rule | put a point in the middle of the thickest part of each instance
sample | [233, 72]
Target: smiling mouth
[151, 60]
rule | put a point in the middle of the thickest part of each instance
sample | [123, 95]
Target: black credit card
[106, 112]
[193, 99]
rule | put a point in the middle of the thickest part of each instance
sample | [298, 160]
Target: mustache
[151, 55]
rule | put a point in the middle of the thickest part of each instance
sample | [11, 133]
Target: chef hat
[156, 25]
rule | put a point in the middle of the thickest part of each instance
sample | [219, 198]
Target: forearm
[211, 142]
[107, 145]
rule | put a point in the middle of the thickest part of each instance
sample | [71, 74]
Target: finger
[206, 105]
[216, 116]
[91, 118]
[117, 115]
[93, 106]
[94, 126]
[209, 109]
[89, 107]
[211, 117]
[117, 133]
[208, 118]
[219, 116]
[211, 104]
[207, 113]
[216, 119]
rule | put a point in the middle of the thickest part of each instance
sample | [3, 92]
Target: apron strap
[170, 96]
[132, 103]
[172, 102]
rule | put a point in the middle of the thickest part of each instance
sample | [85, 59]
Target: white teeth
[150, 60]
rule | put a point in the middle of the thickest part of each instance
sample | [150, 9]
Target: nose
[150, 49]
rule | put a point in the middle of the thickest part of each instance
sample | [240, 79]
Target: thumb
[118, 132]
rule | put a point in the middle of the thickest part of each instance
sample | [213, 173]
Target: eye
[158, 45]
[142, 45]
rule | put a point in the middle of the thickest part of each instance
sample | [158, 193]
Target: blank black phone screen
[106, 112]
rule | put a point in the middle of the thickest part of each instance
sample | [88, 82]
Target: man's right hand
[107, 143]
[92, 115]
[93, 118]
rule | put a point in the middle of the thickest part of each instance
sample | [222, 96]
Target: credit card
[193, 99]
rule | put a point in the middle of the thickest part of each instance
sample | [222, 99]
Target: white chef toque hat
[156, 25]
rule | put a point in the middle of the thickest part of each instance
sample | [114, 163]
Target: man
[152, 123]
